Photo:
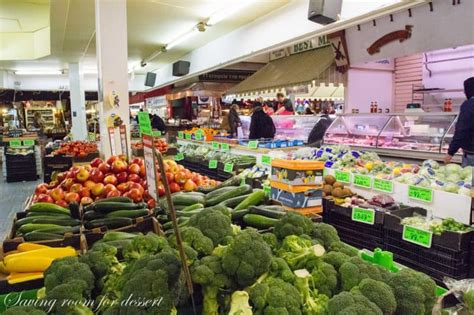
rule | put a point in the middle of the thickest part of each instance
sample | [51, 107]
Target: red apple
[96, 162]
[67, 183]
[123, 187]
[123, 157]
[110, 179]
[134, 178]
[57, 194]
[174, 187]
[61, 203]
[97, 189]
[75, 188]
[161, 190]
[86, 201]
[180, 177]
[44, 198]
[119, 166]
[151, 204]
[111, 159]
[135, 194]
[142, 171]
[137, 161]
[85, 192]
[41, 189]
[88, 168]
[96, 175]
[134, 185]
[53, 184]
[72, 196]
[104, 168]
[122, 177]
[73, 171]
[189, 185]
[108, 188]
[89, 184]
[170, 177]
[61, 176]
[82, 175]
[134, 169]
[113, 193]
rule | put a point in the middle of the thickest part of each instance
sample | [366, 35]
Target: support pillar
[112, 59]
[78, 102]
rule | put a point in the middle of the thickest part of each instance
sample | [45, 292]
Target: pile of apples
[115, 177]
[76, 148]
[160, 144]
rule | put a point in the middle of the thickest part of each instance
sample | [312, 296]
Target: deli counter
[414, 136]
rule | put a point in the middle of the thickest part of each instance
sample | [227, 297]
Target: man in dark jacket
[234, 120]
[315, 138]
[261, 125]
[464, 131]
[157, 123]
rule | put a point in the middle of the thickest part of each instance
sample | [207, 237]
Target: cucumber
[127, 213]
[253, 199]
[106, 207]
[111, 223]
[193, 207]
[115, 199]
[186, 199]
[233, 181]
[239, 191]
[68, 221]
[187, 213]
[47, 207]
[48, 214]
[30, 227]
[274, 208]
[239, 214]
[41, 236]
[259, 221]
[61, 230]
[92, 215]
[169, 225]
[119, 244]
[117, 235]
[233, 202]
[219, 191]
[267, 212]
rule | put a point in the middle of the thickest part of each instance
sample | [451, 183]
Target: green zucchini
[233, 202]
[274, 208]
[119, 244]
[61, 230]
[239, 191]
[193, 207]
[47, 220]
[259, 221]
[233, 181]
[41, 236]
[92, 215]
[269, 213]
[127, 213]
[30, 227]
[111, 223]
[187, 213]
[186, 199]
[219, 191]
[47, 207]
[106, 207]
[117, 235]
[48, 214]
[115, 199]
[169, 225]
[253, 199]
[239, 214]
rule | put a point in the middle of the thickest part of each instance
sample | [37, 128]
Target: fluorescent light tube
[182, 38]
[38, 72]
[228, 11]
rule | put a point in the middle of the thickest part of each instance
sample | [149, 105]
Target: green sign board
[180, 135]
[179, 157]
[29, 142]
[156, 133]
[420, 193]
[213, 164]
[188, 136]
[266, 160]
[144, 123]
[225, 147]
[215, 145]
[363, 215]
[15, 143]
[343, 177]
[383, 185]
[362, 181]
[417, 236]
[229, 167]
[267, 190]
[198, 136]
[253, 144]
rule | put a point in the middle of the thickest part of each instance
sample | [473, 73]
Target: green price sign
[267, 190]
[417, 236]
[266, 160]
[343, 177]
[213, 164]
[383, 185]
[225, 147]
[144, 123]
[179, 157]
[253, 144]
[362, 215]
[228, 167]
[180, 135]
[188, 136]
[156, 133]
[91, 136]
[29, 142]
[215, 145]
[15, 143]
[198, 136]
[362, 181]
[420, 193]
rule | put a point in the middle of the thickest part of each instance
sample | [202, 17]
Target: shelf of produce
[443, 205]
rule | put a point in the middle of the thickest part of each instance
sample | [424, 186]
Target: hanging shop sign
[400, 35]
[277, 54]
[339, 47]
[297, 90]
[150, 170]
[321, 41]
[226, 76]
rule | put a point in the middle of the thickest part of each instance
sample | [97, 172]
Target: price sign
[228, 167]
[343, 177]
[198, 136]
[266, 160]
[362, 181]
[29, 143]
[215, 145]
[383, 185]
[156, 133]
[420, 193]
[225, 147]
[144, 123]
[267, 190]
[179, 157]
[180, 135]
[417, 236]
[213, 164]
[112, 140]
[253, 144]
[362, 215]
[14, 143]
[91, 136]
[188, 136]
[150, 166]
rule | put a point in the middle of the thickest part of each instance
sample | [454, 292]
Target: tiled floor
[12, 197]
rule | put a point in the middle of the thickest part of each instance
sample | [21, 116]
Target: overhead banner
[318, 42]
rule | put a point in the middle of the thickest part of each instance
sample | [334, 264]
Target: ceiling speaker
[181, 68]
[324, 11]
[150, 79]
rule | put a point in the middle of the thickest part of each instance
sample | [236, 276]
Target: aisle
[12, 197]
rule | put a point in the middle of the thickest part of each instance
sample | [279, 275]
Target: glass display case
[409, 135]
[294, 127]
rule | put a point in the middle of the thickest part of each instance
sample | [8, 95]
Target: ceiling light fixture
[39, 72]
[224, 13]
[144, 62]
[183, 37]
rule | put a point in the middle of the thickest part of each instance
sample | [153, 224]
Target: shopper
[316, 135]
[283, 106]
[261, 125]
[464, 131]
[38, 123]
[157, 123]
[268, 108]
[234, 120]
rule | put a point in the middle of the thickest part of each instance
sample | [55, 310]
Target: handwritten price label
[362, 215]
[29, 142]
[229, 167]
[15, 143]
[417, 236]
[420, 193]
[253, 144]
[266, 160]
[213, 164]
[215, 145]
[180, 135]
[383, 185]
[179, 157]
[343, 177]
[362, 181]
[225, 147]
[188, 136]
[198, 136]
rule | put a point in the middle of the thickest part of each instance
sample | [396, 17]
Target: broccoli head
[354, 270]
[336, 259]
[23, 310]
[143, 245]
[344, 248]
[415, 292]
[68, 298]
[313, 302]
[299, 251]
[240, 304]
[325, 234]
[293, 223]
[468, 298]
[271, 240]
[280, 269]
[247, 257]
[213, 224]
[379, 293]
[196, 239]
[274, 296]
[324, 279]
[346, 303]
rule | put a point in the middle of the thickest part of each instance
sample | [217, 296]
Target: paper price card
[29, 142]
[179, 157]
[188, 136]
[225, 147]
[215, 145]
[383, 185]
[267, 190]
[180, 135]
[362, 181]
[198, 136]
[212, 164]
[420, 193]
[229, 167]
[417, 236]
[362, 215]
[343, 177]
[266, 160]
[14, 143]
[253, 144]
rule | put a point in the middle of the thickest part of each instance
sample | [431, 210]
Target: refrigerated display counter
[411, 136]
